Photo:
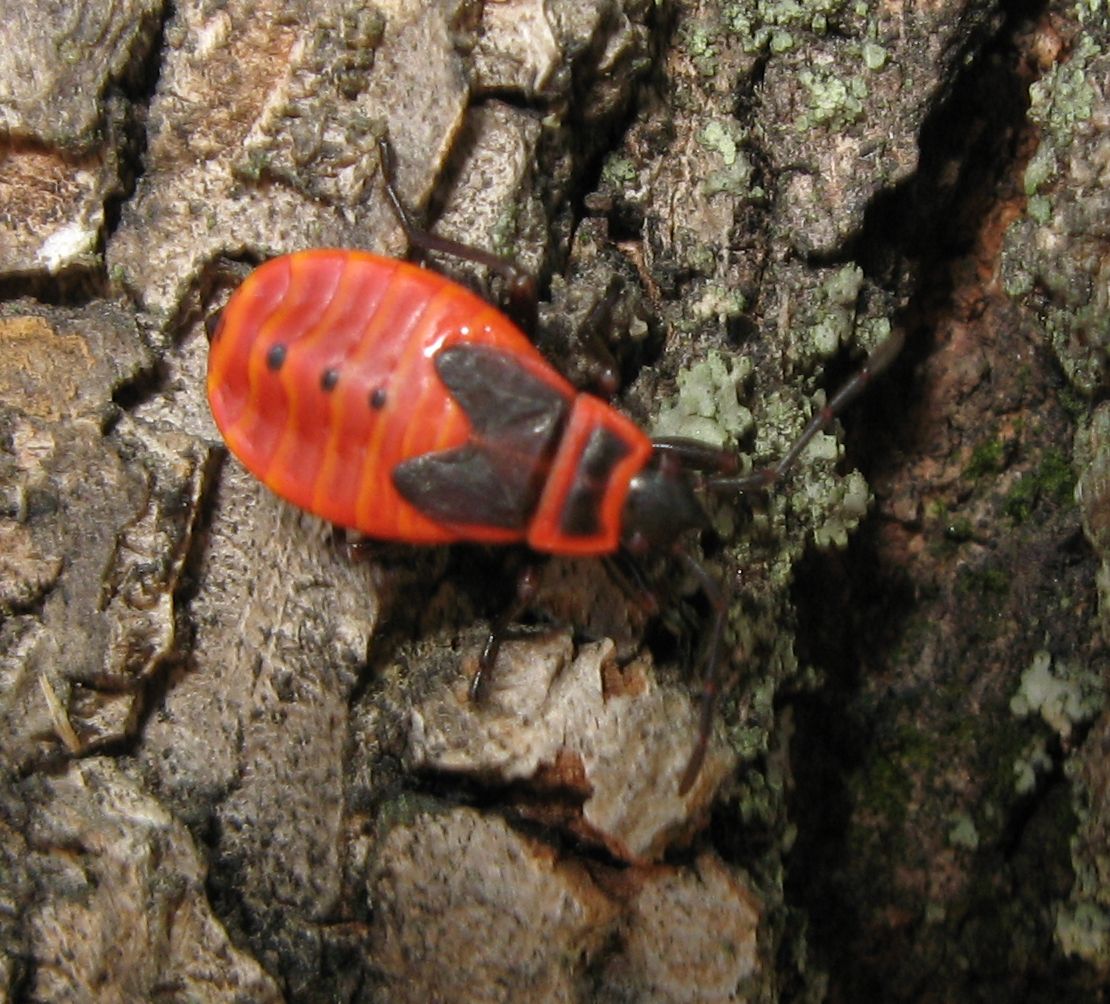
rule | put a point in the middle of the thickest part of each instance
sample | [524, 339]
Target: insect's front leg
[710, 685]
[527, 586]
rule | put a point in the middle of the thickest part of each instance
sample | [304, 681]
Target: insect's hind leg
[520, 286]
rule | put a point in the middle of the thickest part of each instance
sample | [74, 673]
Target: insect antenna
[878, 360]
[703, 457]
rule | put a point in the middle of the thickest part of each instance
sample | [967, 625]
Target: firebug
[390, 400]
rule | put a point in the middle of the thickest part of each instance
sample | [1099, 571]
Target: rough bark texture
[238, 758]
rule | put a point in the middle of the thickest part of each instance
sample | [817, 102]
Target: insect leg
[222, 273]
[520, 287]
[527, 586]
[880, 358]
[606, 379]
[710, 678]
[626, 572]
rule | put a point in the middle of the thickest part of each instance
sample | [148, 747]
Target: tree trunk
[239, 756]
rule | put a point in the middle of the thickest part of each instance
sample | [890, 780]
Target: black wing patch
[463, 486]
[502, 399]
[494, 479]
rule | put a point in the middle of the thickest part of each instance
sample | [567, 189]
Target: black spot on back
[328, 379]
[275, 357]
[378, 398]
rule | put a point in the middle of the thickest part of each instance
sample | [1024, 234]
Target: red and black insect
[386, 398]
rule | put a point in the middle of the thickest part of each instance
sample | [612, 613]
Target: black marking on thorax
[581, 516]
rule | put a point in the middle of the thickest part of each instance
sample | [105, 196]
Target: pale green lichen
[721, 136]
[708, 406]
[780, 41]
[618, 173]
[1083, 929]
[831, 99]
[1064, 694]
[870, 331]
[781, 417]
[1042, 166]
[724, 138]
[1059, 102]
[850, 498]
[830, 320]
[1065, 209]
[721, 303]
[963, 833]
[1090, 10]
[1064, 97]
[843, 286]
[830, 503]
[835, 302]
[1039, 209]
[775, 24]
[701, 45]
[874, 56]
[1034, 762]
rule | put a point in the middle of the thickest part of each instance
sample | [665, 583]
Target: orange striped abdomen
[321, 378]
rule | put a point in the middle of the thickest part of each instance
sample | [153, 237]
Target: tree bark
[238, 756]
